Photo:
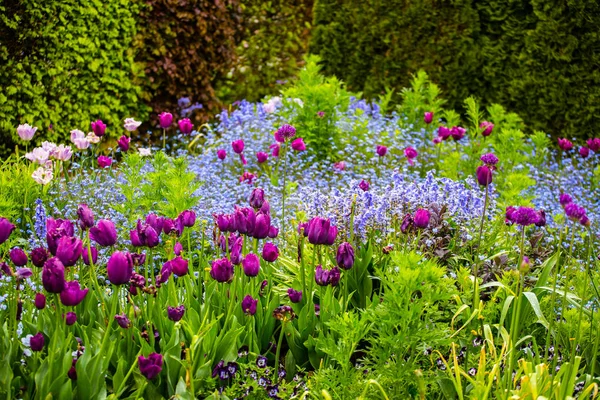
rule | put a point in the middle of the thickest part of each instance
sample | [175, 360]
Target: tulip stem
[476, 272]
[164, 140]
[283, 194]
[278, 351]
[93, 276]
[302, 266]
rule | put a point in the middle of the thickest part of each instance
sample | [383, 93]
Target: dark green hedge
[540, 58]
[64, 63]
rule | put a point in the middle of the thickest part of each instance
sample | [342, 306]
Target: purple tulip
[257, 198]
[509, 216]
[221, 154]
[444, 132]
[86, 257]
[69, 250]
[165, 274]
[381, 150]
[275, 149]
[175, 313]
[55, 229]
[541, 218]
[421, 218]
[222, 270]
[270, 252]
[123, 321]
[594, 144]
[298, 144]
[99, 128]
[345, 256]
[119, 268]
[185, 126]
[238, 146]
[428, 117]
[224, 222]
[188, 218]
[487, 127]
[18, 257]
[321, 276]
[457, 132]
[235, 253]
[364, 185]
[179, 266]
[262, 226]
[574, 212]
[295, 295]
[584, 152]
[6, 229]
[123, 143]
[70, 318]
[36, 342]
[318, 229]
[273, 232]
[39, 255]
[4, 268]
[565, 199]
[86, 216]
[178, 249]
[261, 157]
[334, 276]
[410, 153]
[565, 144]
[104, 233]
[40, 301]
[484, 175]
[251, 265]
[165, 119]
[249, 305]
[150, 367]
[23, 273]
[72, 295]
[53, 276]
[104, 161]
[155, 222]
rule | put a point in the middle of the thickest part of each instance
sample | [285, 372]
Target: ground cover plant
[309, 246]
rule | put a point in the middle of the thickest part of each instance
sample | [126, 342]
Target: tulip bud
[221, 153]
[381, 150]
[188, 218]
[36, 342]
[179, 266]
[257, 198]
[70, 318]
[261, 157]
[119, 268]
[165, 120]
[53, 276]
[186, 126]
[86, 257]
[584, 152]
[487, 127]
[270, 252]
[249, 305]
[334, 276]
[298, 144]
[222, 270]
[6, 229]
[86, 216]
[123, 143]
[321, 276]
[345, 256]
[39, 255]
[150, 367]
[18, 257]
[238, 146]
[295, 295]
[565, 144]
[421, 219]
[72, 294]
[69, 250]
[104, 162]
[98, 128]
[484, 175]
[175, 313]
[363, 185]
[251, 265]
[123, 321]
[40, 301]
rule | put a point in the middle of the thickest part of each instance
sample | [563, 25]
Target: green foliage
[535, 57]
[274, 41]
[316, 94]
[19, 191]
[64, 64]
[423, 96]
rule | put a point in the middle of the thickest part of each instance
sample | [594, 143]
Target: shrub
[533, 57]
[66, 64]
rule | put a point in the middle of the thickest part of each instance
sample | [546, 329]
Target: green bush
[64, 64]
[535, 57]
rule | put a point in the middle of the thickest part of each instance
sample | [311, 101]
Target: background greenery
[539, 58]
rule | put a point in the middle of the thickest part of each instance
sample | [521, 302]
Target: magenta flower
[86, 257]
[457, 132]
[428, 117]
[150, 367]
[487, 127]
[321, 114]
[410, 153]
[275, 149]
[594, 144]
[444, 132]
[565, 144]
[247, 177]
[270, 252]
[295, 295]
[584, 152]
[40, 301]
[53, 276]
[104, 161]
[249, 305]
[39, 255]
[298, 144]
[484, 175]
[99, 128]
[69, 250]
[222, 270]
[251, 265]
[340, 165]
[85, 216]
[104, 233]
[489, 159]
[345, 256]
[238, 146]
[18, 257]
[123, 321]
[165, 119]
[421, 218]
[70, 318]
[185, 126]
[221, 153]
[175, 313]
[574, 211]
[72, 295]
[363, 185]
[36, 342]
[381, 150]
[187, 217]
[119, 268]
[261, 157]
[565, 199]
[524, 216]
[6, 228]
[123, 143]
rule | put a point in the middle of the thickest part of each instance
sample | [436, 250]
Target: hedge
[540, 58]
[64, 64]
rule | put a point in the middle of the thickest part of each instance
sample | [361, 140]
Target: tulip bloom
[69, 250]
[188, 218]
[251, 265]
[185, 126]
[36, 342]
[584, 152]
[104, 161]
[295, 295]
[6, 229]
[381, 150]
[222, 270]
[119, 268]
[484, 175]
[298, 144]
[249, 305]
[18, 257]
[270, 252]
[123, 321]
[262, 226]
[123, 143]
[261, 157]
[42, 176]
[345, 256]
[150, 367]
[257, 198]
[86, 216]
[421, 218]
[175, 313]
[410, 153]
[238, 146]
[53, 276]
[40, 301]
[594, 144]
[39, 255]
[320, 231]
[428, 117]
[165, 120]
[179, 266]
[104, 233]
[487, 127]
[363, 185]
[99, 128]
[86, 257]
[72, 295]
[321, 276]
[26, 132]
[444, 132]
[221, 153]
[457, 132]
[70, 318]
[565, 144]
